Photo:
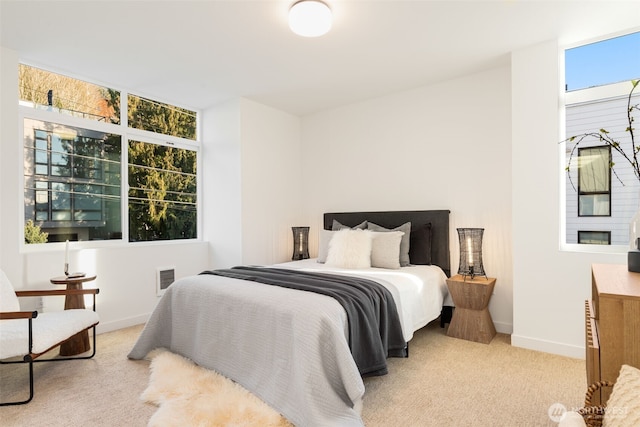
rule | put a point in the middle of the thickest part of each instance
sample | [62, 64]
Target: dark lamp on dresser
[300, 243]
[471, 252]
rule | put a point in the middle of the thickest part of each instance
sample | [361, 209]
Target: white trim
[597, 93]
[552, 347]
[104, 327]
[601, 38]
[503, 327]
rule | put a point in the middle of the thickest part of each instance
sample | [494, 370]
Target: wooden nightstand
[471, 318]
[79, 343]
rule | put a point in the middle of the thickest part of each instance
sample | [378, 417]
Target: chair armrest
[50, 292]
[18, 315]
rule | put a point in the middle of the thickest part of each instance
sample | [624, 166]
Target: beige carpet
[444, 382]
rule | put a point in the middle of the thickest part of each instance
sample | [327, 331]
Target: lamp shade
[310, 18]
[471, 252]
[300, 243]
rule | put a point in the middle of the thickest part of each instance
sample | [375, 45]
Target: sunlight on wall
[87, 263]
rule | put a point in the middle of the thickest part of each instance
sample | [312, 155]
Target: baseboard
[122, 323]
[503, 327]
[552, 347]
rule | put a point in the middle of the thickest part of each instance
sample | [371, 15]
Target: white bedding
[419, 291]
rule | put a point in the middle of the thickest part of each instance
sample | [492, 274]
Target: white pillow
[350, 249]
[623, 406]
[323, 244]
[8, 299]
[385, 249]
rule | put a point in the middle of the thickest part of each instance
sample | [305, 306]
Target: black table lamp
[300, 243]
[471, 252]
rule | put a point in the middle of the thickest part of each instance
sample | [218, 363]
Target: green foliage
[162, 195]
[161, 118]
[603, 136]
[33, 234]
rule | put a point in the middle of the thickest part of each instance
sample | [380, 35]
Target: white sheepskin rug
[190, 395]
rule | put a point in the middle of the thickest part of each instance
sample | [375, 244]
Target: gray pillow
[385, 249]
[338, 226]
[404, 243]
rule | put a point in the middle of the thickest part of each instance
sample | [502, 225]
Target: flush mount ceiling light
[310, 18]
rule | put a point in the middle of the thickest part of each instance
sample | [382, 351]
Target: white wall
[126, 275]
[221, 184]
[272, 184]
[446, 146]
[550, 285]
[10, 166]
[252, 183]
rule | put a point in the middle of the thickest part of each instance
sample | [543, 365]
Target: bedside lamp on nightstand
[300, 243]
[471, 294]
[471, 252]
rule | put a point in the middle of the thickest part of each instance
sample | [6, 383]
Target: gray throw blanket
[374, 326]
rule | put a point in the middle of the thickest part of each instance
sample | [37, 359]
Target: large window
[602, 188]
[74, 147]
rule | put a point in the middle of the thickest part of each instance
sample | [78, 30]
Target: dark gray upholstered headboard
[439, 220]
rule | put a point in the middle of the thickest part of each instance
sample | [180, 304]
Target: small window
[609, 61]
[594, 181]
[46, 90]
[166, 119]
[594, 237]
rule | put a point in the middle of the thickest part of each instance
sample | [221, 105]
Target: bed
[292, 348]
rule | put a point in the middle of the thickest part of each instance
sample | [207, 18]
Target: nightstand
[471, 318]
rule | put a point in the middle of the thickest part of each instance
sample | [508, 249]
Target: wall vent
[164, 278]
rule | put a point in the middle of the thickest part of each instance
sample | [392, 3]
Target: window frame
[581, 192]
[166, 141]
[126, 133]
[605, 232]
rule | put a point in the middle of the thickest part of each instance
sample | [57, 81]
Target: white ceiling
[200, 53]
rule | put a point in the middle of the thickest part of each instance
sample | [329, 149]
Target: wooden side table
[79, 343]
[471, 318]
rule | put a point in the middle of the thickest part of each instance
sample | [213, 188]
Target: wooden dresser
[612, 324]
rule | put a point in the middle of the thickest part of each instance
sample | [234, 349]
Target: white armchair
[27, 335]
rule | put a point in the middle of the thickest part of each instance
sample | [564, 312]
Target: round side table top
[63, 280]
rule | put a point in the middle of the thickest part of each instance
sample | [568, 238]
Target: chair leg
[28, 359]
[22, 402]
